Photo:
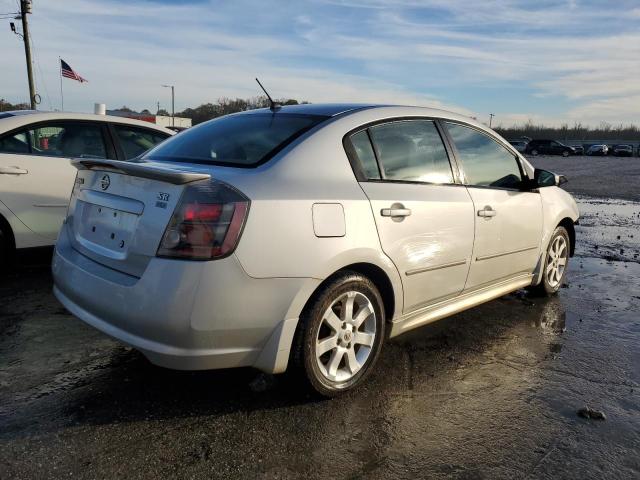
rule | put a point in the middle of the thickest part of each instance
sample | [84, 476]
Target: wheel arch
[7, 231]
[374, 273]
[569, 226]
[275, 355]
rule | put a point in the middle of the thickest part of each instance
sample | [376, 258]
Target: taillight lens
[206, 223]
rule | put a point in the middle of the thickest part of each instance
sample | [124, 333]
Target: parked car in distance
[36, 176]
[301, 237]
[176, 129]
[622, 150]
[519, 145]
[598, 150]
[578, 149]
[548, 147]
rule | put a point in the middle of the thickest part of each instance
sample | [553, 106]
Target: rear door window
[486, 163]
[135, 141]
[243, 140]
[15, 143]
[365, 156]
[412, 150]
[80, 140]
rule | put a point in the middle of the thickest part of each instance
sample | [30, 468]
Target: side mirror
[544, 178]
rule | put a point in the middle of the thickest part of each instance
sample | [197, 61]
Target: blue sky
[553, 62]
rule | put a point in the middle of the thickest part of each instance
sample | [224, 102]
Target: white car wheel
[556, 262]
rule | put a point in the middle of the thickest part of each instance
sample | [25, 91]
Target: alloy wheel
[346, 336]
[556, 260]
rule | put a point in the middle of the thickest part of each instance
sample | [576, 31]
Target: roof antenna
[273, 105]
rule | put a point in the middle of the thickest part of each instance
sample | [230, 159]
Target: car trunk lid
[119, 210]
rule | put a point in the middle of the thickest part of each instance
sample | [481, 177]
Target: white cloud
[375, 51]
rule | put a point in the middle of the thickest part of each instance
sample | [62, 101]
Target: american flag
[68, 72]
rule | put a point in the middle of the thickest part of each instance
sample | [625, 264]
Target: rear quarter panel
[278, 239]
[23, 236]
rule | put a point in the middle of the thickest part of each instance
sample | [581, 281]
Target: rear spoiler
[140, 169]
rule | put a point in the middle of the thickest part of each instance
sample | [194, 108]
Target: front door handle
[487, 211]
[13, 171]
[396, 212]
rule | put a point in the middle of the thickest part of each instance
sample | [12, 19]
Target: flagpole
[61, 94]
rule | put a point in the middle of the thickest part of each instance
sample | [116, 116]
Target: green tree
[7, 106]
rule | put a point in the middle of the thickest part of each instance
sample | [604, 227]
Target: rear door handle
[487, 211]
[13, 171]
[396, 210]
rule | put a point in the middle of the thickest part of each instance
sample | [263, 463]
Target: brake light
[206, 223]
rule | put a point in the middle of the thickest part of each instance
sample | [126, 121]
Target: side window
[136, 141]
[412, 150]
[68, 140]
[363, 150]
[16, 143]
[485, 162]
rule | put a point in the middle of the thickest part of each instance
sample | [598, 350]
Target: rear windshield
[236, 140]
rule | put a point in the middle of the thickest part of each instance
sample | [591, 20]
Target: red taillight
[203, 213]
[206, 223]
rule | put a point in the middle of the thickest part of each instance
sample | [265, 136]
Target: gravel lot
[493, 392]
[608, 177]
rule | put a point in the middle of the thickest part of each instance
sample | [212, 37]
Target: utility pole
[173, 105]
[25, 8]
[491, 115]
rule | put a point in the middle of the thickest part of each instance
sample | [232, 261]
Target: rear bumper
[184, 315]
[162, 354]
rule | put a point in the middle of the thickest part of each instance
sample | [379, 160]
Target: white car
[36, 176]
[598, 150]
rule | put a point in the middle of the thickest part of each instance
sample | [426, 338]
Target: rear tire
[340, 335]
[556, 261]
[565, 153]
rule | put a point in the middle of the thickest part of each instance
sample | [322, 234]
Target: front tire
[565, 153]
[555, 263]
[340, 335]
[534, 152]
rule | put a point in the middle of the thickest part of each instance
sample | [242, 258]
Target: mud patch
[609, 229]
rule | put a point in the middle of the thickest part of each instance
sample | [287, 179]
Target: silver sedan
[302, 237]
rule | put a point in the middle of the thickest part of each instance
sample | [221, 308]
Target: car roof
[18, 118]
[323, 109]
[353, 109]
